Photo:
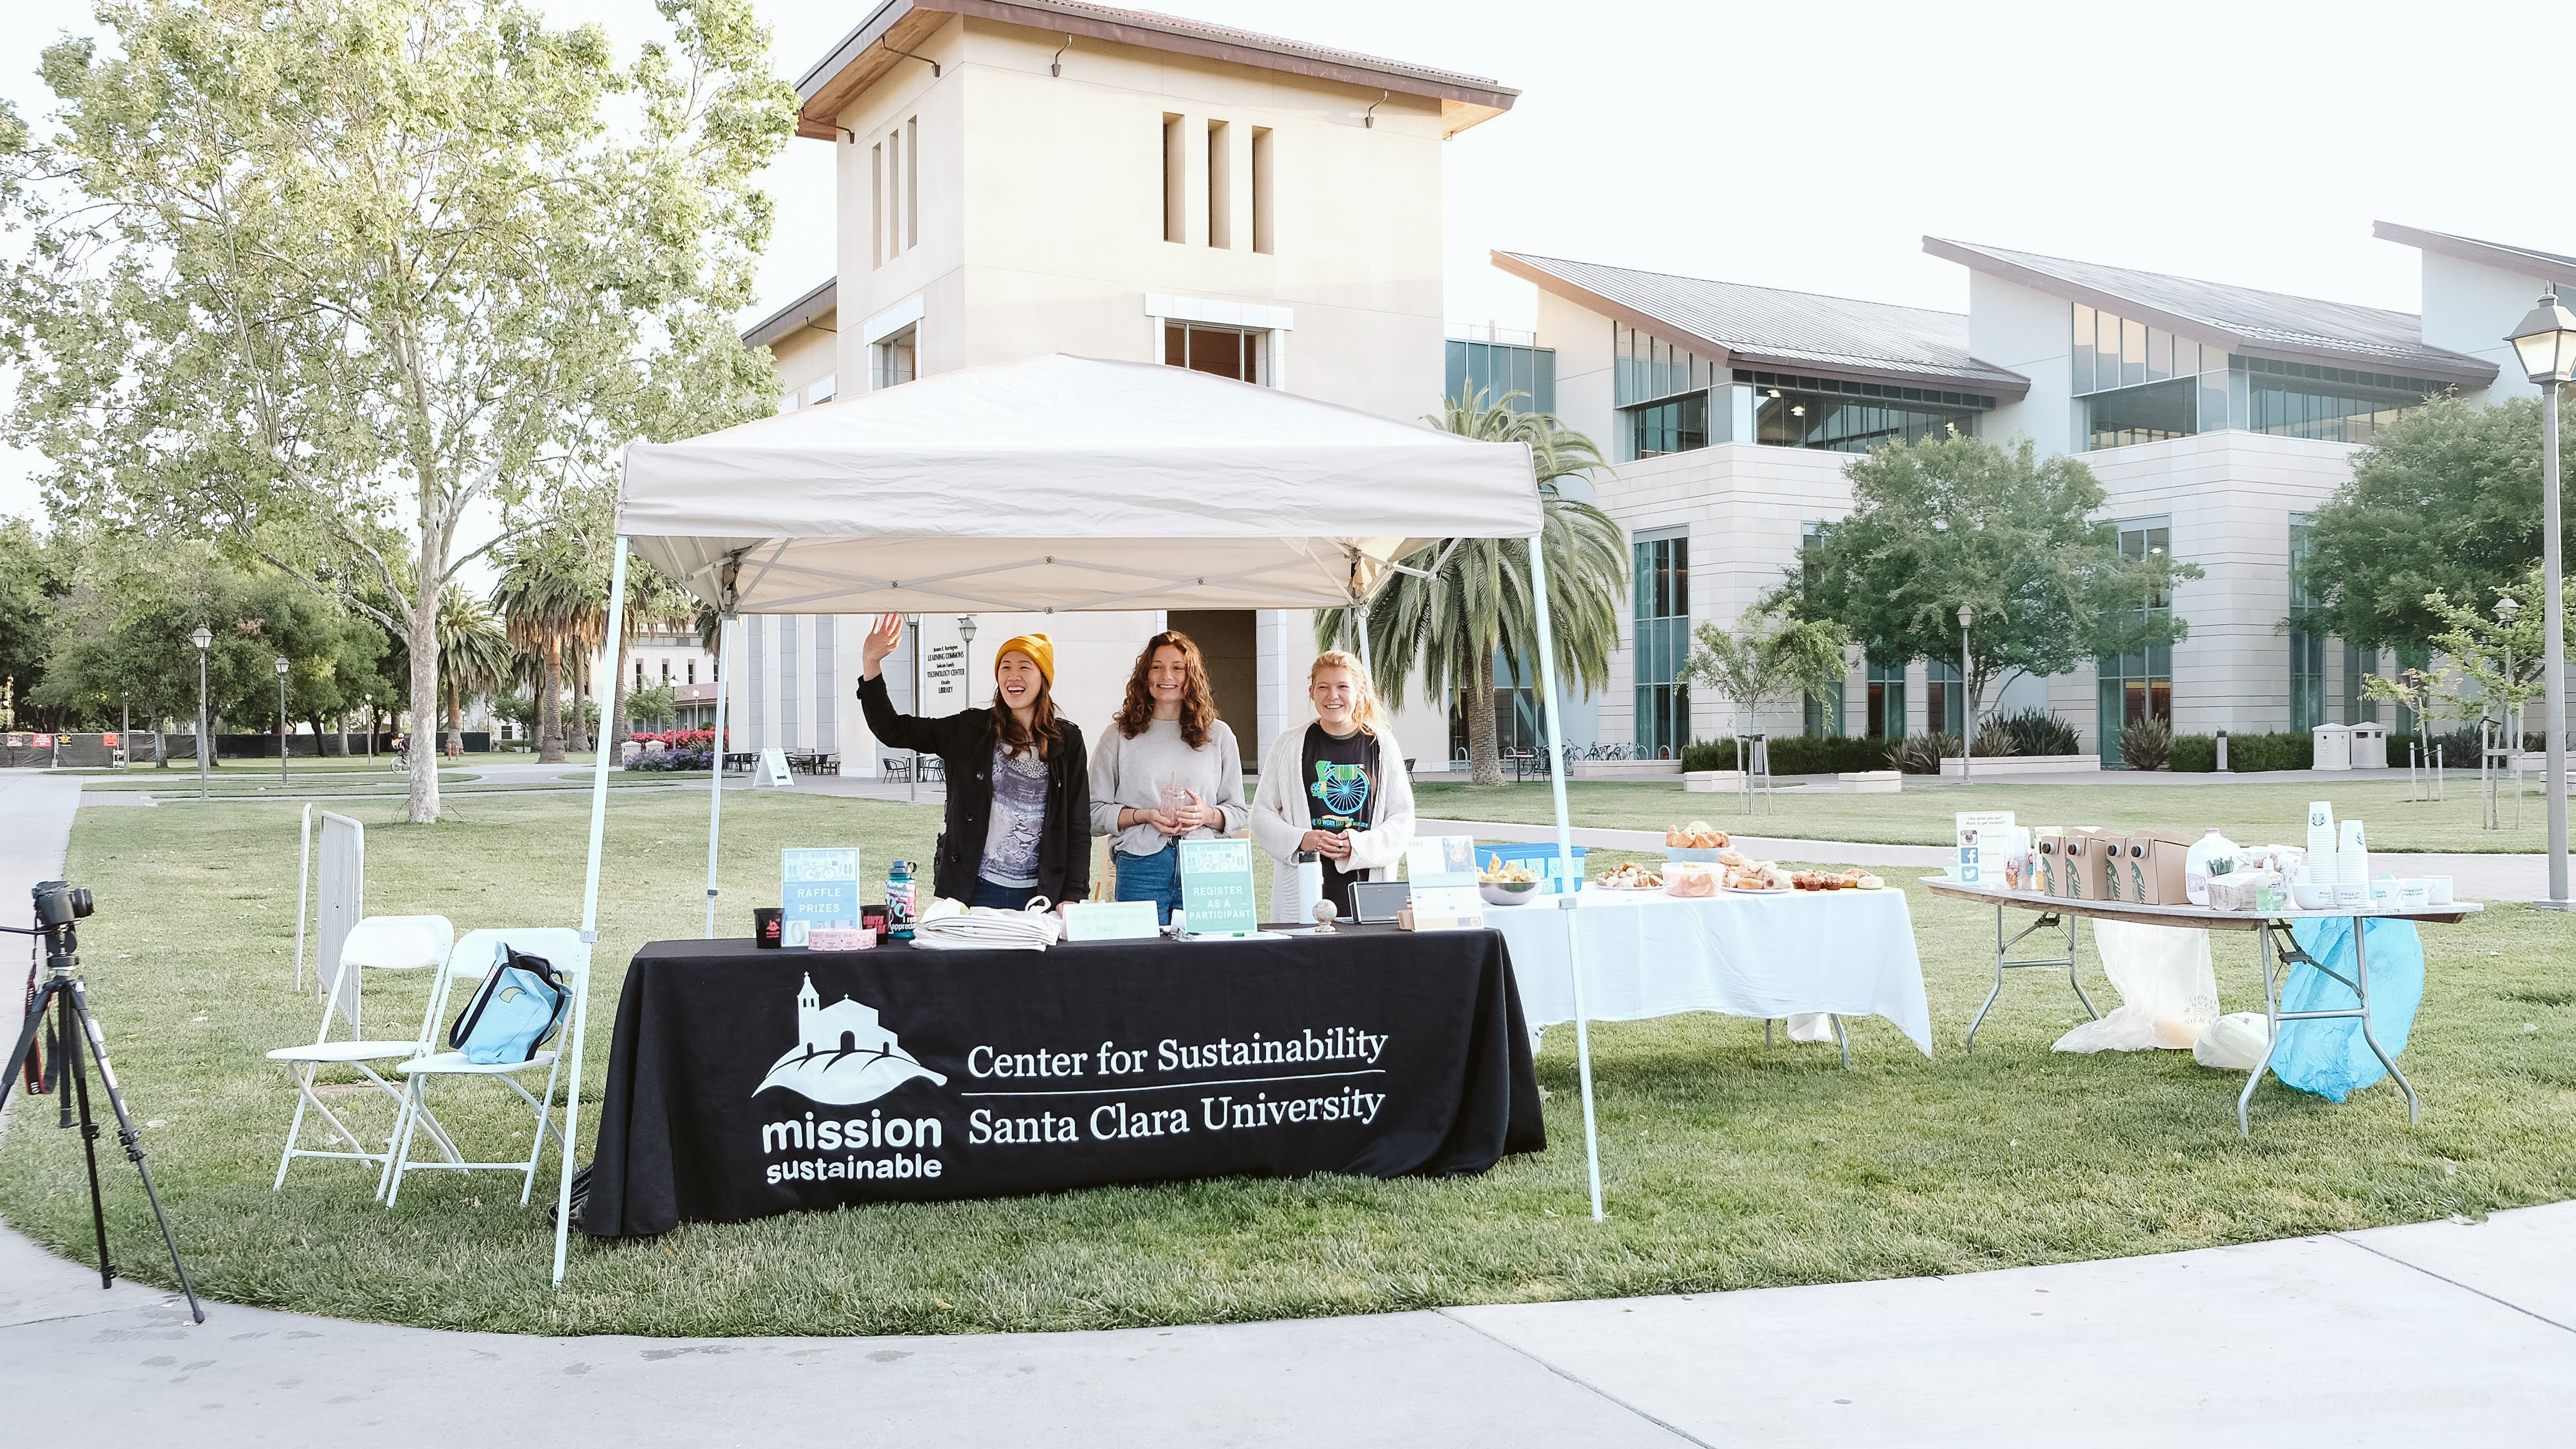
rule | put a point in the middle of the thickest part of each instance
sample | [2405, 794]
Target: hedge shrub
[2246, 753]
[1796, 755]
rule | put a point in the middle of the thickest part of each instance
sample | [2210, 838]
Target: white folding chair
[377, 943]
[476, 956]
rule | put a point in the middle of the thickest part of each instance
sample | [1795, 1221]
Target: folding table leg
[1841, 1036]
[2361, 988]
[2004, 962]
[2271, 1020]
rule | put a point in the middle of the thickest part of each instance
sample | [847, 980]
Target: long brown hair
[1046, 726]
[1198, 699]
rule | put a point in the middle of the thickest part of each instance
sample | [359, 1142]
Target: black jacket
[964, 741]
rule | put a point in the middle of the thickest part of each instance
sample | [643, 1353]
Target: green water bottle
[899, 900]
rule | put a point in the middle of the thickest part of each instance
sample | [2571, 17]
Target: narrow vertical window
[876, 205]
[1176, 184]
[1262, 238]
[912, 183]
[1220, 190]
[895, 169]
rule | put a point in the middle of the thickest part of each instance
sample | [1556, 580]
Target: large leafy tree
[1469, 598]
[1959, 520]
[303, 272]
[2446, 501]
[30, 585]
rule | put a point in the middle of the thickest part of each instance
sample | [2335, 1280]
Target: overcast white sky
[2248, 141]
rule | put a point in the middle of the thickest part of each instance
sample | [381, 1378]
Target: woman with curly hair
[1167, 769]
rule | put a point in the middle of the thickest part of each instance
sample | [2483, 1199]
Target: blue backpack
[515, 1011]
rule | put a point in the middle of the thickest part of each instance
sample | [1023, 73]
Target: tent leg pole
[589, 935]
[1359, 616]
[715, 775]
[1570, 898]
[303, 878]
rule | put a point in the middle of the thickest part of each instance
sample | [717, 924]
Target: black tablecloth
[745, 1082]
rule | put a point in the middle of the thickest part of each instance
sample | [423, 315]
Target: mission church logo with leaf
[844, 1055]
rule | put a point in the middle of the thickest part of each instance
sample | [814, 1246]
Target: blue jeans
[1155, 878]
[1002, 897]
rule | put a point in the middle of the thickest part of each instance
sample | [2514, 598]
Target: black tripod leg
[133, 1140]
[18, 1055]
[69, 1059]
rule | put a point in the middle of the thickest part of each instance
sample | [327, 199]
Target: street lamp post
[1967, 702]
[2546, 343]
[281, 719]
[202, 639]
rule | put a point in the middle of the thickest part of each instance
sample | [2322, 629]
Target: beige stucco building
[1021, 178]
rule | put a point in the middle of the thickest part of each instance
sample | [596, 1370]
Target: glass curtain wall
[2137, 685]
[1945, 697]
[2142, 384]
[2358, 665]
[1886, 701]
[1661, 391]
[1499, 369]
[1842, 416]
[1662, 644]
[2307, 637]
[2334, 404]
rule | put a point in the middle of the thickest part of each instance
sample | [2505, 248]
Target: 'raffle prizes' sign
[816, 888]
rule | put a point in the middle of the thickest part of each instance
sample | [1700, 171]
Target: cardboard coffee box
[2081, 856]
[2151, 867]
[2113, 846]
[2047, 865]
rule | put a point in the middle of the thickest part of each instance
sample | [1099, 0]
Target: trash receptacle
[2370, 747]
[2333, 746]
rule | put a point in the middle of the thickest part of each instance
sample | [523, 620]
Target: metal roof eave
[1465, 100]
[2000, 382]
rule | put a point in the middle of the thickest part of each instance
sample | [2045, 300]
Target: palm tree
[546, 601]
[1478, 602]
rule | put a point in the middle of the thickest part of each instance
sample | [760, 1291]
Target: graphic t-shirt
[1018, 819]
[1341, 779]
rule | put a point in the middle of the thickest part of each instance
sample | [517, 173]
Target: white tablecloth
[1649, 954]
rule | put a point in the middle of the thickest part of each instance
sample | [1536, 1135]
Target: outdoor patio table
[1645, 954]
[2271, 938]
[745, 1082]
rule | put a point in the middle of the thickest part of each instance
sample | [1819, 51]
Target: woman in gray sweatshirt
[1167, 769]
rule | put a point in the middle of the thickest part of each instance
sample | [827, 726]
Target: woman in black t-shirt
[1337, 788]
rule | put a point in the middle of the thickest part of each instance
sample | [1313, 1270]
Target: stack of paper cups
[2352, 867]
[2321, 843]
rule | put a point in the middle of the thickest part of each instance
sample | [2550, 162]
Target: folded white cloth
[982, 928]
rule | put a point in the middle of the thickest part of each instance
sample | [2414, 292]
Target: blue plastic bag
[2330, 1058]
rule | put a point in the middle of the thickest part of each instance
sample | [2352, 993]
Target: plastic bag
[2168, 993]
[2330, 1058]
[2234, 1042]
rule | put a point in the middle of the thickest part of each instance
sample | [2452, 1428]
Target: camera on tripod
[59, 903]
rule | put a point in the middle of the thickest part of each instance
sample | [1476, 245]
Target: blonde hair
[1366, 710]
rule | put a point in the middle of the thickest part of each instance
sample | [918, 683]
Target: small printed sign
[1112, 921]
[773, 769]
[1216, 887]
[816, 888]
[1982, 845]
[1442, 870]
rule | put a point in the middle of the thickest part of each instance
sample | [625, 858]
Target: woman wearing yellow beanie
[1019, 798]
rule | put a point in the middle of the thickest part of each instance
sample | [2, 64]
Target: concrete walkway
[2435, 1333]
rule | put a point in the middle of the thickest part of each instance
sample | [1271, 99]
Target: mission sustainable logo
[844, 1056]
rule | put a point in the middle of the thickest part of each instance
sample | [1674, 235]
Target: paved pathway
[2435, 1333]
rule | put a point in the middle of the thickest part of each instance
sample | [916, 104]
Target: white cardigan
[1282, 814]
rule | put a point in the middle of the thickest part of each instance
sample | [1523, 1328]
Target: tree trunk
[550, 720]
[612, 725]
[1484, 757]
[423, 804]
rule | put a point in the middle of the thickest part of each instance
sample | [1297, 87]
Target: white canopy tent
[1063, 484]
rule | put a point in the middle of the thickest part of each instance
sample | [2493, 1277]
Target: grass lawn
[1727, 1164]
[2250, 813]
